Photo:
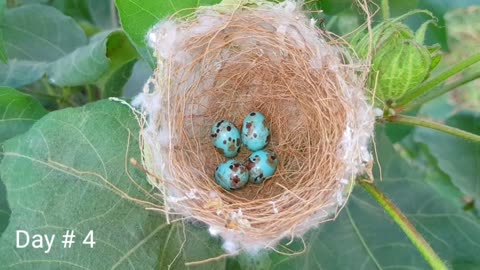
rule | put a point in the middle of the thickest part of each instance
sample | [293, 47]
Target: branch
[426, 86]
[425, 249]
[415, 121]
[434, 93]
[385, 10]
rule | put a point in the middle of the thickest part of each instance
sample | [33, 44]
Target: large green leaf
[87, 64]
[139, 16]
[365, 237]
[35, 35]
[19, 111]
[458, 158]
[56, 177]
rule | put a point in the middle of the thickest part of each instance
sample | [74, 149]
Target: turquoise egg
[231, 175]
[255, 134]
[261, 165]
[226, 138]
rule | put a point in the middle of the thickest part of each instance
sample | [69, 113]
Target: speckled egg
[226, 138]
[231, 175]
[261, 165]
[255, 133]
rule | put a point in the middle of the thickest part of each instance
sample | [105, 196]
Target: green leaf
[344, 22]
[106, 53]
[35, 35]
[84, 65]
[3, 53]
[122, 56]
[365, 237]
[458, 158]
[139, 16]
[15, 3]
[439, 8]
[18, 73]
[140, 74]
[116, 81]
[77, 9]
[56, 178]
[19, 111]
[101, 12]
[40, 33]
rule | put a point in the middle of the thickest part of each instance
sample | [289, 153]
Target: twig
[434, 93]
[385, 10]
[417, 239]
[415, 121]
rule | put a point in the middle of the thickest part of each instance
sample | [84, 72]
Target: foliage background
[61, 59]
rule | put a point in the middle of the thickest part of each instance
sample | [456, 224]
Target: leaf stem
[415, 121]
[434, 93]
[91, 95]
[385, 10]
[417, 239]
[424, 87]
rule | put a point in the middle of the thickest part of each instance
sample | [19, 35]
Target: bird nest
[224, 63]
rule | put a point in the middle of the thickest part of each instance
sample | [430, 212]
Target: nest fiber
[221, 63]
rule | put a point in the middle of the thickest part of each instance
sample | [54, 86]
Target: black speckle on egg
[252, 114]
[218, 130]
[214, 135]
[229, 139]
[231, 167]
[216, 169]
[268, 138]
[254, 135]
[274, 157]
[219, 123]
[229, 128]
[224, 141]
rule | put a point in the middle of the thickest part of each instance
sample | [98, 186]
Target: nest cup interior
[242, 64]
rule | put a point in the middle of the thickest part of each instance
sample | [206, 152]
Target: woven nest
[218, 64]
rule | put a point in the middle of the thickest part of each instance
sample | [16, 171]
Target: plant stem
[385, 10]
[91, 95]
[425, 249]
[424, 87]
[415, 121]
[434, 93]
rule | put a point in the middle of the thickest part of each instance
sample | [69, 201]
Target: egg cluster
[255, 135]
